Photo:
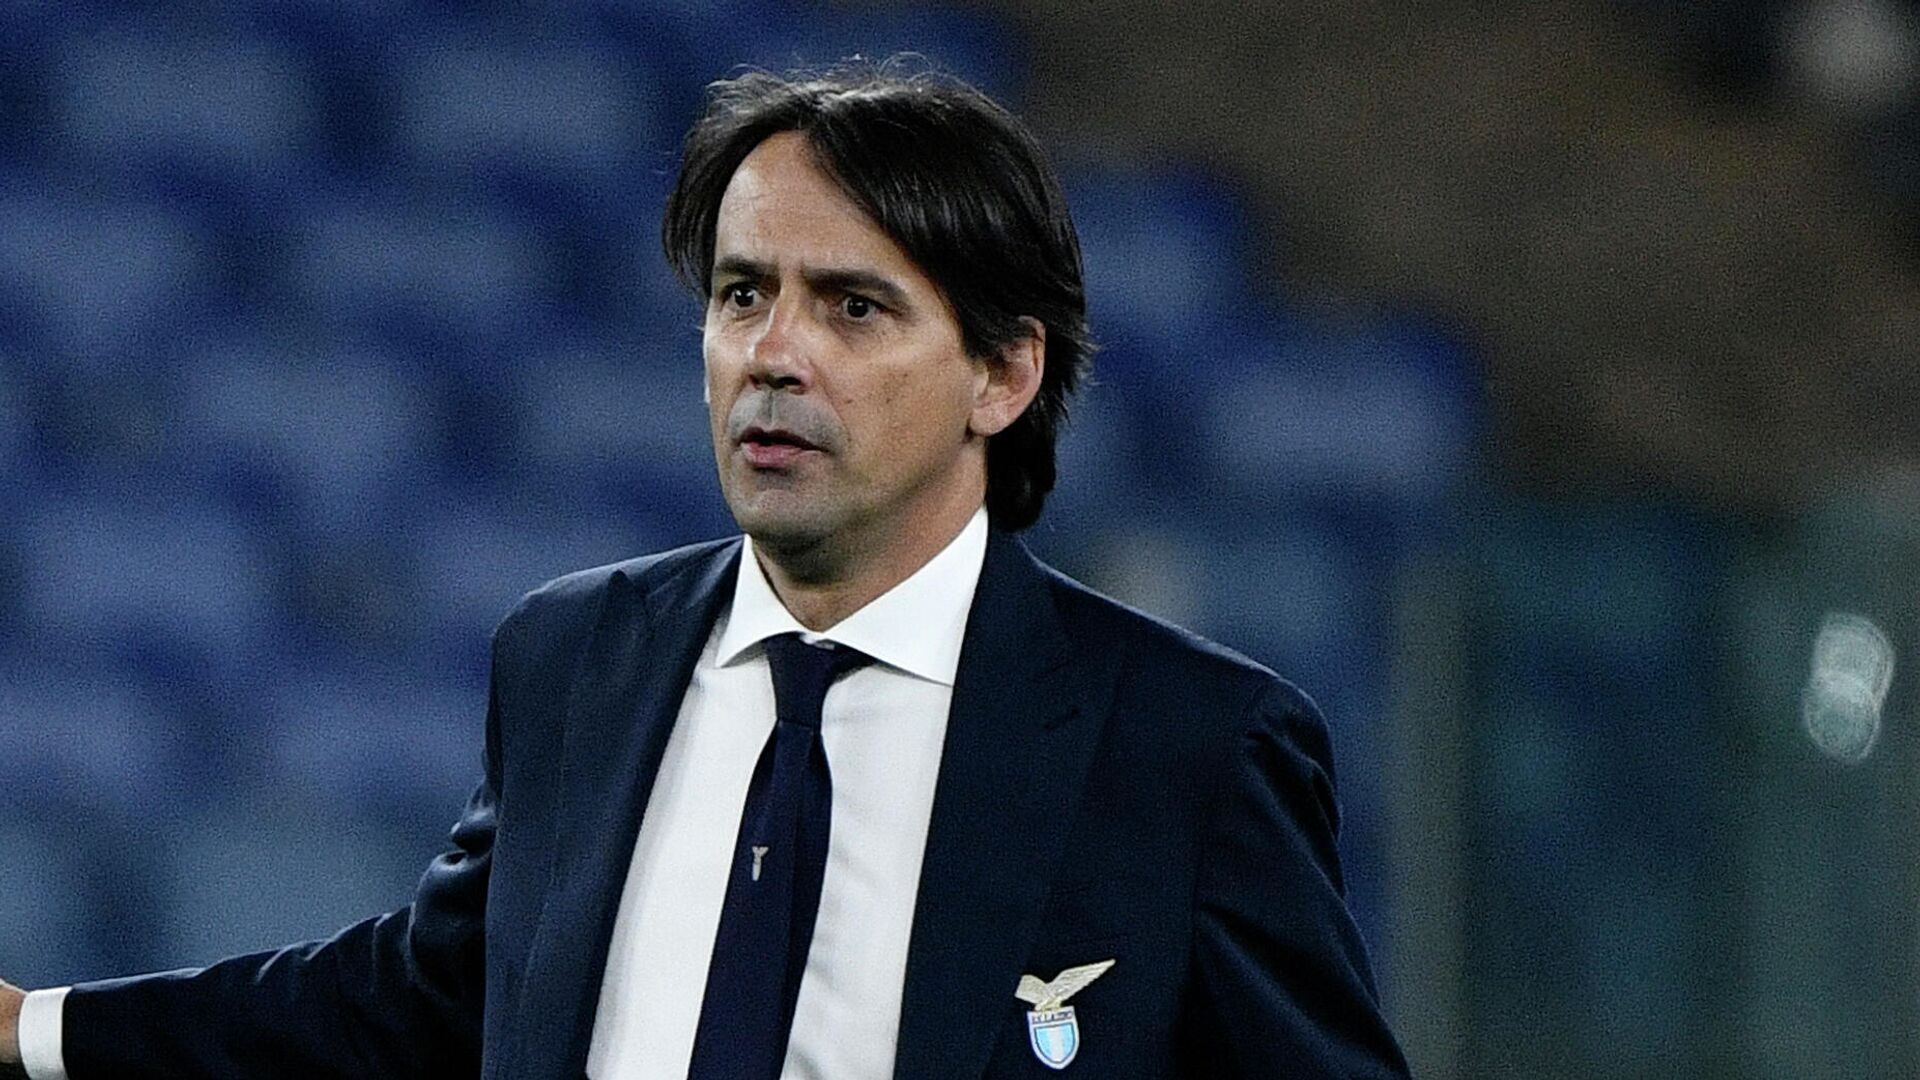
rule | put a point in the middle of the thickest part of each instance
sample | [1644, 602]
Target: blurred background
[1530, 382]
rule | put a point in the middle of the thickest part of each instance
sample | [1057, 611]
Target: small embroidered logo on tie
[758, 854]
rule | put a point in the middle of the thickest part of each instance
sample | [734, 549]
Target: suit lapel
[620, 711]
[1027, 710]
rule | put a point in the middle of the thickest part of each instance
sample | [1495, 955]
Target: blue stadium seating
[328, 329]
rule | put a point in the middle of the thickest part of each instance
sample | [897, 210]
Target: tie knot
[802, 673]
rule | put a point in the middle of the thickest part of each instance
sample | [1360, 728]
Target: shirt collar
[916, 626]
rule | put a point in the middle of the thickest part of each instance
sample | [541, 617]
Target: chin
[784, 520]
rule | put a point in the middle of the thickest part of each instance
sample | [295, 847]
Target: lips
[774, 437]
[773, 448]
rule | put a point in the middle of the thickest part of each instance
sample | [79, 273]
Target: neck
[823, 583]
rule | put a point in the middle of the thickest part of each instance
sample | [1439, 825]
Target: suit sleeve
[395, 996]
[1281, 973]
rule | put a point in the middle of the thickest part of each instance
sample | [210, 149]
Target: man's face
[842, 401]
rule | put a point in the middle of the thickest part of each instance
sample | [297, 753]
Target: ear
[1006, 384]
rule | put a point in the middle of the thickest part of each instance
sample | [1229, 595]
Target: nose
[777, 355]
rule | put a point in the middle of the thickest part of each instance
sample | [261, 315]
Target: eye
[739, 294]
[859, 308]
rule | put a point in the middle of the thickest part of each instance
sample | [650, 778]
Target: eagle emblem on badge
[1052, 1029]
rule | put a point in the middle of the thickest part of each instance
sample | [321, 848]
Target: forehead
[780, 206]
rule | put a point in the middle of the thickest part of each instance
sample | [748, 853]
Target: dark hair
[964, 189]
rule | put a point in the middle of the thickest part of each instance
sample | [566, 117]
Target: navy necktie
[779, 862]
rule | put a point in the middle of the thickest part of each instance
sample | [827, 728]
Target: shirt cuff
[42, 1018]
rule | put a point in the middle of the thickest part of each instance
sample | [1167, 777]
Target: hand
[10, 999]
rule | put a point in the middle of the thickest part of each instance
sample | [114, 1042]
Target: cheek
[720, 356]
[717, 388]
[916, 408]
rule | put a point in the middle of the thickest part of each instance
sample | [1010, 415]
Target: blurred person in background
[870, 791]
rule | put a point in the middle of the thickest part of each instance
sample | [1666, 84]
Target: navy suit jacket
[1111, 788]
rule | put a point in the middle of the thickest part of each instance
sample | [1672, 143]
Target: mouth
[773, 448]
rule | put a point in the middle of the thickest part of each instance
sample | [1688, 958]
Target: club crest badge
[1055, 1036]
[1052, 1028]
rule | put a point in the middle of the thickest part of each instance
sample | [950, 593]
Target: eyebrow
[826, 279]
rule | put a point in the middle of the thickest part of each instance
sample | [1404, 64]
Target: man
[870, 792]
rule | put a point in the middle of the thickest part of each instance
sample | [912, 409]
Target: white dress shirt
[883, 726]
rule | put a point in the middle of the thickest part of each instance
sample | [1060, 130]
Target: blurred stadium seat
[49, 904]
[85, 749]
[91, 268]
[96, 568]
[275, 881]
[143, 96]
